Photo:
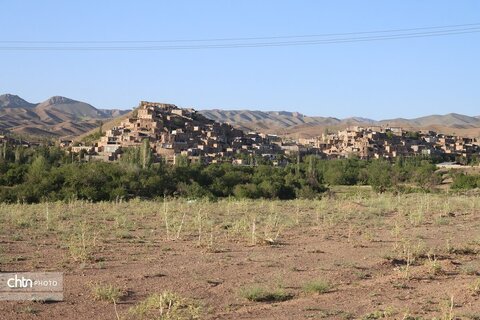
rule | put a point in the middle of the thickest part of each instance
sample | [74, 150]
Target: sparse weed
[465, 250]
[81, 246]
[416, 217]
[446, 310]
[434, 267]
[379, 314]
[470, 269]
[476, 287]
[17, 237]
[107, 293]
[30, 310]
[362, 274]
[317, 286]
[165, 306]
[262, 294]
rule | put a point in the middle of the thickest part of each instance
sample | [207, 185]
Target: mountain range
[299, 125]
[54, 117]
[63, 117]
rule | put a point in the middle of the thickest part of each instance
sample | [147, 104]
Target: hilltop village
[172, 132]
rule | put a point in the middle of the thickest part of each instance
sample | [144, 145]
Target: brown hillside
[55, 117]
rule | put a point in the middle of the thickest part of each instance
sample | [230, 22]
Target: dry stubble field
[354, 255]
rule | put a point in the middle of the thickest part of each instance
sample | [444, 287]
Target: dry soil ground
[346, 256]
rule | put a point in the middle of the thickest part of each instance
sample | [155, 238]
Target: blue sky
[381, 79]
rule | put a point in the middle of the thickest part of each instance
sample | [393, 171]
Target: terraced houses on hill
[387, 142]
[172, 132]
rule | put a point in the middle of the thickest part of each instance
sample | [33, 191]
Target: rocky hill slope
[297, 124]
[55, 117]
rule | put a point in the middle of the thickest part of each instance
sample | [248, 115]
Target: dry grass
[109, 293]
[392, 226]
[165, 306]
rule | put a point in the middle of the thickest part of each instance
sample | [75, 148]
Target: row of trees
[100, 181]
[380, 174]
[48, 173]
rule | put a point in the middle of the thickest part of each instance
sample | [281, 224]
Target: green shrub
[463, 182]
[108, 293]
[248, 190]
[379, 175]
[263, 294]
[317, 286]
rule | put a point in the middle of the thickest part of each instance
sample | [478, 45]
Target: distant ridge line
[60, 116]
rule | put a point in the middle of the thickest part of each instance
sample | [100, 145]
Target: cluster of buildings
[390, 142]
[171, 132]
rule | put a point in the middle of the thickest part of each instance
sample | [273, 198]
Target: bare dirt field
[354, 255]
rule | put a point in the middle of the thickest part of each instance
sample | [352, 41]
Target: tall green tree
[146, 154]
